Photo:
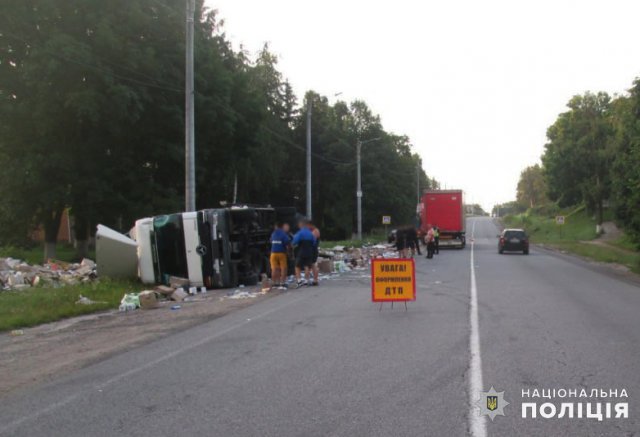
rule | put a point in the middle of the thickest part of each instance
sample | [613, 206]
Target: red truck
[444, 209]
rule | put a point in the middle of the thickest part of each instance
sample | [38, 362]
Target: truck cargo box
[444, 209]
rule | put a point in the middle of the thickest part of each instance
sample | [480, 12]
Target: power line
[299, 147]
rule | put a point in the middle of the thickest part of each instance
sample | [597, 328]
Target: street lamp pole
[309, 212]
[359, 190]
[189, 155]
[359, 182]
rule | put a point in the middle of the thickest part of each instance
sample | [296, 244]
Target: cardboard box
[164, 290]
[177, 282]
[148, 299]
[179, 295]
[325, 266]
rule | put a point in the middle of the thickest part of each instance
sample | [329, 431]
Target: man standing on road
[304, 241]
[436, 240]
[429, 240]
[278, 259]
[316, 251]
[401, 242]
[414, 243]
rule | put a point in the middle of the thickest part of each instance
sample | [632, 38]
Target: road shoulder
[51, 350]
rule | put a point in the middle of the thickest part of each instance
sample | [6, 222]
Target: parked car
[513, 240]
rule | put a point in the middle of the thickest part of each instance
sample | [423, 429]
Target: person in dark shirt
[402, 243]
[414, 242]
[279, 246]
[304, 241]
[316, 252]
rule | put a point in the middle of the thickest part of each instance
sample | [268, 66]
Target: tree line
[92, 119]
[592, 157]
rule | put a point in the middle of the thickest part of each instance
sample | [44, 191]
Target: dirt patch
[609, 232]
[49, 350]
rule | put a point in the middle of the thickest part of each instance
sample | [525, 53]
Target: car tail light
[501, 240]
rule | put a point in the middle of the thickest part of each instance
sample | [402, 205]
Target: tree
[578, 155]
[625, 173]
[532, 188]
[92, 119]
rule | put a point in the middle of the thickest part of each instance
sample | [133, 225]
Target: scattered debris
[148, 299]
[342, 259]
[86, 301]
[241, 295]
[176, 282]
[16, 332]
[265, 284]
[179, 295]
[176, 307]
[130, 302]
[164, 290]
[18, 275]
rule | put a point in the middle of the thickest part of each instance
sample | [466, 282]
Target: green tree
[531, 190]
[625, 173]
[578, 154]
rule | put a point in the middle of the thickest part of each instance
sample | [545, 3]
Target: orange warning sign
[393, 280]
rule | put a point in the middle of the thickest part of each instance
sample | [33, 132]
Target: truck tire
[250, 279]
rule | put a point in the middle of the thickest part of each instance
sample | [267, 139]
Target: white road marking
[54, 406]
[477, 423]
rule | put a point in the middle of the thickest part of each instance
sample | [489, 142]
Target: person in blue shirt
[305, 242]
[316, 252]
[279, 245]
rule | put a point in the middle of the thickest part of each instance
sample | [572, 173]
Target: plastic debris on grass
[83, 300]
[16, 274]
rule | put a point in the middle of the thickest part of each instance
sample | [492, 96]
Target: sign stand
[393, 280]
[405, 306]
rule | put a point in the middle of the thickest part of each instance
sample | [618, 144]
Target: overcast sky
[474, 84]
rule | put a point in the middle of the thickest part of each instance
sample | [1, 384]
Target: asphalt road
[325, 362]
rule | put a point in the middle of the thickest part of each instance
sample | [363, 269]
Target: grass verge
[35, 254]
[30, 307]
[578, 236]
[366, 241]
[602, 253]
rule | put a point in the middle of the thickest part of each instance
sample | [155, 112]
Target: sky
[474, 84]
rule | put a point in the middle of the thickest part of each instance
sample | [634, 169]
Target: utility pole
[309, 212]
[359, 183]
[359, 190]
[189, 155]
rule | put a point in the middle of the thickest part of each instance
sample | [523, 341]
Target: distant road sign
[560, 220]
[386, 219]
[393, 280]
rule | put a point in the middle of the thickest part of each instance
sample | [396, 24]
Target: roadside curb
[609, 269]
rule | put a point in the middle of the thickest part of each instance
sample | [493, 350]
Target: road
[325, 362]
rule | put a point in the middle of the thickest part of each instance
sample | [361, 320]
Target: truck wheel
[526, 251]
[249, 279]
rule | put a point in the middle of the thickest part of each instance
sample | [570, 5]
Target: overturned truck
[214, 248]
